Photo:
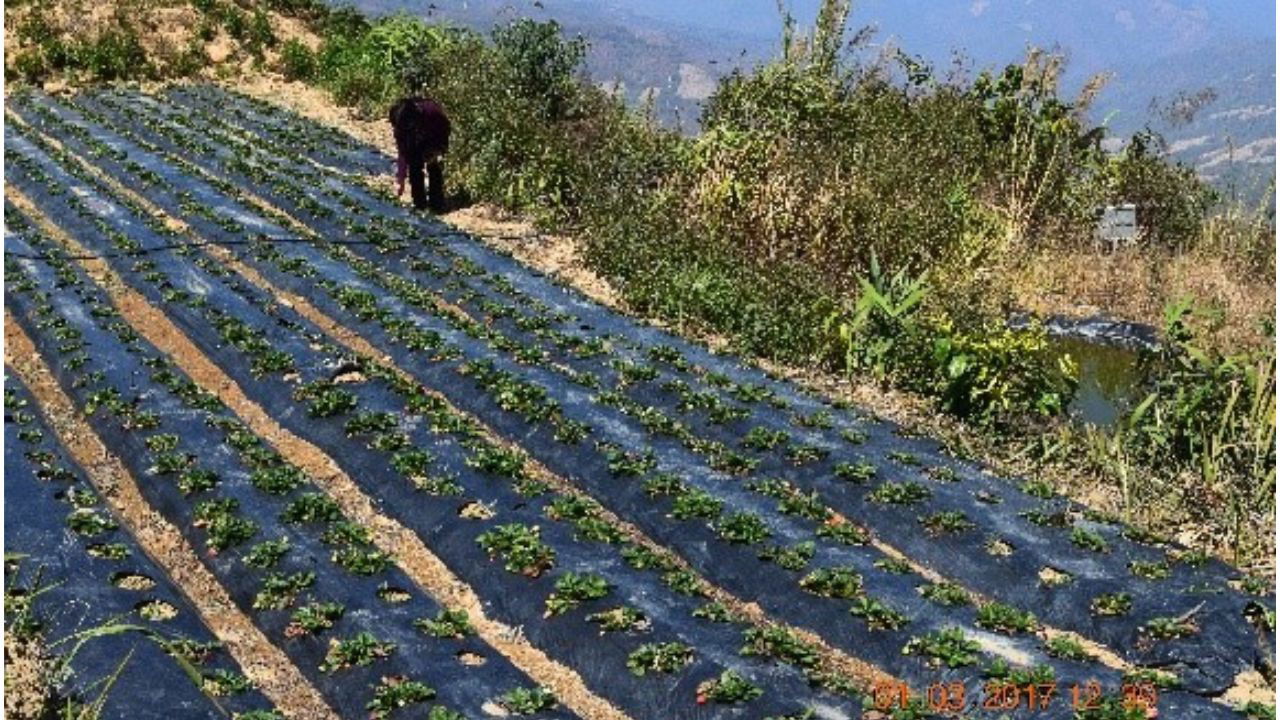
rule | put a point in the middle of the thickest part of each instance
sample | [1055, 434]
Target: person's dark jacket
[421, 130]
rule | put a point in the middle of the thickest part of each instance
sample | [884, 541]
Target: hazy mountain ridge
[1154, 51]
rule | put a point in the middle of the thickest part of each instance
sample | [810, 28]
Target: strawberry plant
[743, 528]
[520, 546]
[620, 619]
[446, 624]
[1150, 570]
[357, 651]
[893, 565]
[1003, 618]
[89, 522]
[496, 461]
[1111, 604]
[528, 701]
[225, 529]
[803, 454]
[397, 692]
[795, 557]
[662, 484]
[659, 657]
[877, 615]
[1088, 540]
[845, 533]
[1067, 648]
[266, 554]
[413, 463]
[311, 508]
[1038, 488]
[695, 503]
[944, 593]
[277, 480]
[221, 683]
[311, 619]
[361, 561]
[907, 493]
[855, 472]
[950, 647]
[762, 438]
[780, 643]
[715, 611]
[573, 589]
[728, 688]
[837, 582]
[326, 399]
[1000, 670]
[278, 591]
[950, 521]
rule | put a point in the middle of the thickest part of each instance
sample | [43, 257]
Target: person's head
[405, 119]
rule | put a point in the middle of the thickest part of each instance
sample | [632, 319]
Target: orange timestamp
[1007, 696]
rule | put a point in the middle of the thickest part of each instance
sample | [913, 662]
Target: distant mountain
[1216, 58]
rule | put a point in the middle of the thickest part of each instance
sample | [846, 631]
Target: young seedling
[1150, 570]
[573, 589]
[1168, 628]
[659, 657]
[620, 619]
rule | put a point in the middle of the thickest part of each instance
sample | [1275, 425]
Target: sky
[1097, 35]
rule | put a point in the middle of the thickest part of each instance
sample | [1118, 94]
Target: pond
[1110, 380]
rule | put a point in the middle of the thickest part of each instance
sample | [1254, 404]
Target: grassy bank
[857, 214]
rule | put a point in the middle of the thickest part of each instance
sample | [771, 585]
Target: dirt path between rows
[263, 663]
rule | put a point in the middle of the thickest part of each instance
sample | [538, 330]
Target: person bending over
[421, 130]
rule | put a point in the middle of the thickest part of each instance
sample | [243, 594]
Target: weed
[659, 657]
[573, 589]
[1167, 628]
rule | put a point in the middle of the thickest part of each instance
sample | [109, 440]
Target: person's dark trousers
[417, 183]
[435, 176]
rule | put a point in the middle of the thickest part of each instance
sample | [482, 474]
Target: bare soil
[28, 682]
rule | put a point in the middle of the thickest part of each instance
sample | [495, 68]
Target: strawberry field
[358, 417]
